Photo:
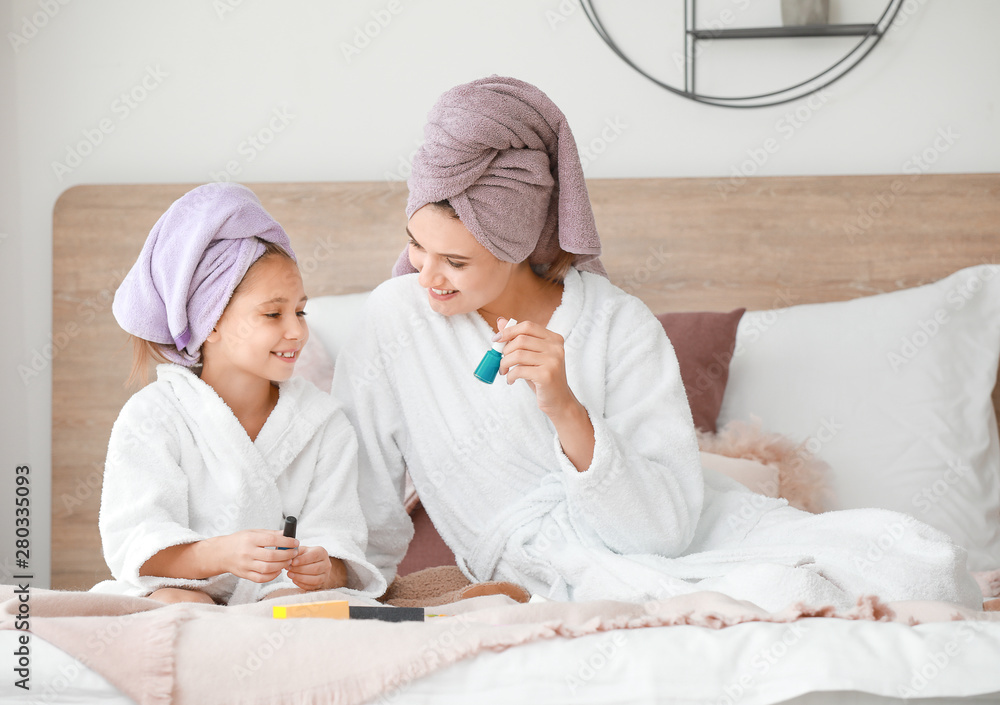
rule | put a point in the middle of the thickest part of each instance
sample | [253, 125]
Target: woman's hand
[537, 355]
[315, 569]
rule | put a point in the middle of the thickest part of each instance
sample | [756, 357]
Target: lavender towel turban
[502, 153]
[193, 259]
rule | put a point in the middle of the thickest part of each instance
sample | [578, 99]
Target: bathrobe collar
[295, 419]
[568, 313]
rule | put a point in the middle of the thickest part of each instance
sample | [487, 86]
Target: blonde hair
[145, 351]
[560, 267]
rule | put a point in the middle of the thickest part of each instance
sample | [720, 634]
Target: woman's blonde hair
[560, 267]
[555, 272]
[145, 351]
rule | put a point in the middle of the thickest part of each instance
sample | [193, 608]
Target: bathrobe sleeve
[144, 500]
[332, 516]
[644, 488]
[361, 384]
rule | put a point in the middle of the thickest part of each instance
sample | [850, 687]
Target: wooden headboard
[678, 244]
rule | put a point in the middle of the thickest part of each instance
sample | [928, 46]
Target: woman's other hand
[537, 355]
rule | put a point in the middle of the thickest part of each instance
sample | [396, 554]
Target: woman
[577, 474]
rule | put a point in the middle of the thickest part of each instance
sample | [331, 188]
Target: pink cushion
[427, 549]
[704, 343]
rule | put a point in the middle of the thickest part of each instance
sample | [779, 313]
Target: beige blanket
[209, 654]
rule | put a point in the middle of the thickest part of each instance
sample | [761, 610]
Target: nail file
[339, 609]
[330, 609]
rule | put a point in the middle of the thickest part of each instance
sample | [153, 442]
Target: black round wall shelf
[869, 36]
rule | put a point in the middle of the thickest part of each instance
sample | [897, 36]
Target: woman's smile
[443, 294]
[451, 263]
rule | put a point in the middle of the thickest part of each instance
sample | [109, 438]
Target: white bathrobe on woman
[181, 468]
[644, 521]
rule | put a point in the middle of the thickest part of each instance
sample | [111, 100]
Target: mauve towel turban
[193, 259]
[502, 153]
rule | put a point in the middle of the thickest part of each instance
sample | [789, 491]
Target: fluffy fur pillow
[801, 475]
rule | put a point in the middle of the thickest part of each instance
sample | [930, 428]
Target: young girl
[205, 463]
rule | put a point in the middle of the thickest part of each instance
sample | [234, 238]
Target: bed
[848, 348]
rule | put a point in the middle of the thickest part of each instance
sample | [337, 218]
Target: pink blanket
[202, 653]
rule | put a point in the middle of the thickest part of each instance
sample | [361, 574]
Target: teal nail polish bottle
[488, 367]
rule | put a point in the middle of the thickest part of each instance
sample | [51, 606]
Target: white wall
[214, 78]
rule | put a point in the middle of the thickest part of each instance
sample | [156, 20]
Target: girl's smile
[263, 328]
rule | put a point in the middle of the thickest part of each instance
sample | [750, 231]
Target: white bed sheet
[56, 677]
[810, 661]
[813, 661]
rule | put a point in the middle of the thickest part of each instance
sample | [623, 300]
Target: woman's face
[459, 274]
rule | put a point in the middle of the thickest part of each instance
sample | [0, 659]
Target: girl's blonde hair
[555, 272]
[145, 352]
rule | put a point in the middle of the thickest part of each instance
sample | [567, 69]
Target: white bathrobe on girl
[181, 468]
[644, 521]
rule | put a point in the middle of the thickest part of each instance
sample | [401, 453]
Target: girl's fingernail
[496, 337]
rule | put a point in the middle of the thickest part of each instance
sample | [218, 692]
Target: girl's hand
[536, 355]
[315, 569]
[248, 554]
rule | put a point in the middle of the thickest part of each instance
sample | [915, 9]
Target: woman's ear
[213, 337]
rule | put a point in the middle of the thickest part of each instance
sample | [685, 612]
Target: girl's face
[263, 328]
[459, 274]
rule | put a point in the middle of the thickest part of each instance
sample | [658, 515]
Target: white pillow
[762, 479]
[333, 319]
[894, 392]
